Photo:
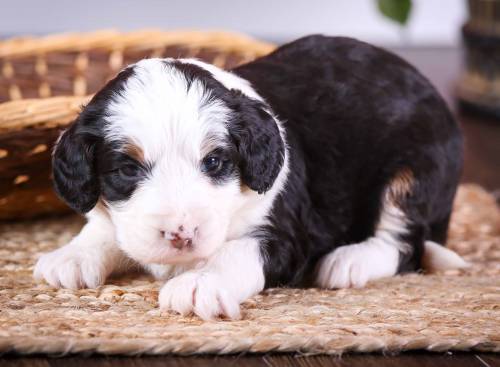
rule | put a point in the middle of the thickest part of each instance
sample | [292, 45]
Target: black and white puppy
[329, 162]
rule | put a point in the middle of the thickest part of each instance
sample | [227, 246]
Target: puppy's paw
[342, 269]
[200, 293]
[355, 265]
[72, 267]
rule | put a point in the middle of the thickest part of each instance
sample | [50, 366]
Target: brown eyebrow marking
[400, 186]
[134, 151]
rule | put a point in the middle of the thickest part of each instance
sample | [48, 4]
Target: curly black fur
[354, 115]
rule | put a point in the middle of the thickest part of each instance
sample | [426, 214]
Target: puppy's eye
[211, 164]
[129, 170]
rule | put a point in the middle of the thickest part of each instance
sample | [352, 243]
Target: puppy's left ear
[259, 143]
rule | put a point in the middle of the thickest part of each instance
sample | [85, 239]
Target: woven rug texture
[454, 310]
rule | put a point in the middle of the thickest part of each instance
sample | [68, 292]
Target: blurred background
[431, 22]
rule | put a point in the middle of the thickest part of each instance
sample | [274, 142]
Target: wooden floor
[482, 165]
[404, 360]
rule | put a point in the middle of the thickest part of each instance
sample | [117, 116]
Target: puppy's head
[170, 147]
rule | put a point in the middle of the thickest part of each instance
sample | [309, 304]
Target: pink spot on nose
[179, 242]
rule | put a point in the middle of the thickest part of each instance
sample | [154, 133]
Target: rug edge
[61, 346]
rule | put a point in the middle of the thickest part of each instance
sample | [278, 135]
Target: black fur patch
[354, 116]
[81, 151]
[73, 168]
[258, 142]
[119, 174]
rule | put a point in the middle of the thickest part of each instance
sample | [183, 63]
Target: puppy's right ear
[73, 168]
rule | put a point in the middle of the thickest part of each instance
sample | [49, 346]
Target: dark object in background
[479, 85]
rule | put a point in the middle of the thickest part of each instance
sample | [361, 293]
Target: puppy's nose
[181, 238]
[179, 241]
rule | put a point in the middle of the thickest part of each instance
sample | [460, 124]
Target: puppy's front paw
[72, 267]
[200, 293]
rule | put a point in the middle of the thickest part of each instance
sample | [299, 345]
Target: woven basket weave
[45, 81]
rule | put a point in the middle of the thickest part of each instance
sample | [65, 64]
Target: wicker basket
[45, 81]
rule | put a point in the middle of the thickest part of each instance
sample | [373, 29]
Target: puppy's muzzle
[182, 238]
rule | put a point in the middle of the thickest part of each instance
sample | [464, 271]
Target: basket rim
[147, 38]
[51, 112]
[59, 111]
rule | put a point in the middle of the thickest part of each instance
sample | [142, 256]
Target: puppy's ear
[259, 143]
[73, 168]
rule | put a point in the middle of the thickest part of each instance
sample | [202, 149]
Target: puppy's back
[357, 117]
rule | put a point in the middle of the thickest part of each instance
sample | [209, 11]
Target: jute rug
[457, 310]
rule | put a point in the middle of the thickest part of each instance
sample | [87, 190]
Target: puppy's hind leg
[395, 239]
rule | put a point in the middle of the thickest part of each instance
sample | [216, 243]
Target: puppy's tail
[437, 257]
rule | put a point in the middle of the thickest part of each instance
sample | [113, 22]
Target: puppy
[327, 163]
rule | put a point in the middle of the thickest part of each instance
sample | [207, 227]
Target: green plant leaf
[397, 10]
